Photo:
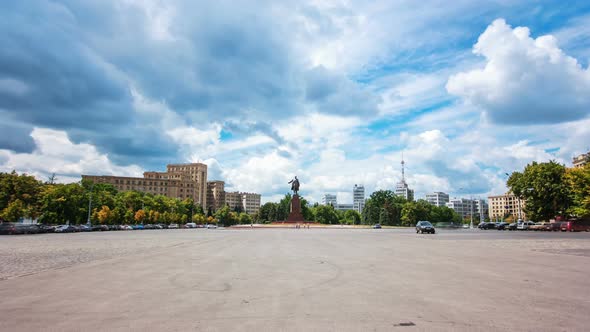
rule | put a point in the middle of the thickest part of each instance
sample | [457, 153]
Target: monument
[295, 215]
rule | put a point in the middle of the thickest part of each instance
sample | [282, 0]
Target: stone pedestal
[295, 215]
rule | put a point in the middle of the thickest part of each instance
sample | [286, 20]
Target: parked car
[85, 228]
[173, 226]
[424, 227]
[211, 226]
[138, 226]
[523, 226]
[488, 225]
[65, 229]
[538, 226]
[100, 228]
[512, 226]
[164, 226]
[576, 225]
[554, 226]
[502, 226]
[47, 228]
[190, 225]
[7, 228]
[377, 226]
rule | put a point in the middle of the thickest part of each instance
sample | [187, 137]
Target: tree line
[382, 207]
[550, 189]
[23, 196]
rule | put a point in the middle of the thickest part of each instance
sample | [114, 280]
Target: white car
[211, 226]
[190, 225]
[173, 226]
[523, 226]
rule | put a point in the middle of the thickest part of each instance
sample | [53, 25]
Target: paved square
[295, 280]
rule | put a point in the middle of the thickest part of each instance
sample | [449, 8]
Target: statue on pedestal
[294, 185]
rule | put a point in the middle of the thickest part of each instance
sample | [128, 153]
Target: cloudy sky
[331, 91]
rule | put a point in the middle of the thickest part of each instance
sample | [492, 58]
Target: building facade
[329, 199]
[505, 205]
[215, 195]
[437, 198]
[245, 202]
[463, 206]
[179, 181]
[581, 160]
[344, 207]
[358, 197]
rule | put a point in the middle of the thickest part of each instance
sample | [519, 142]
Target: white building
[329, 199]
[482, 208]
[463, 206]
[343, 207]
[437, 198]
[358, 198]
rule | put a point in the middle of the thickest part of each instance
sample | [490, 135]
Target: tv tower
[403, 173]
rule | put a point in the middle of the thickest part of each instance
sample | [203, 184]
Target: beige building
[504, 205]
[247, 202]
[179, 181]
[581, 160]
[215, 194]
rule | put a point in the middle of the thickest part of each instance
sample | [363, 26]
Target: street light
[89, 204]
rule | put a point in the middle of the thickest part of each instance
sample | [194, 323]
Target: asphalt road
[295, 280]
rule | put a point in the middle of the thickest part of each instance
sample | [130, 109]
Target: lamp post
[90, 204]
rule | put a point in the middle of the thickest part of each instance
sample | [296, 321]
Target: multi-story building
[463, 206]
[329, 199]
[358, 198]
[344, 207]
[581, 160]
[437, 198]
[179, 181]
[246, 202]
[505, 205]
[215, 194]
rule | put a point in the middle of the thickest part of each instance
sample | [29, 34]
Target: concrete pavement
[295, 280]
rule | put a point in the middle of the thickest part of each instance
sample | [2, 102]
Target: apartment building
[437, 198]
[506, 205]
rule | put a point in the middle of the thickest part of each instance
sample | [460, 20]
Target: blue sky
[331, 91]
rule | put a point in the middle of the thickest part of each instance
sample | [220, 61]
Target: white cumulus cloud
[525, 80]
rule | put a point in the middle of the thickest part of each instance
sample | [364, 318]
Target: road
[295, 280]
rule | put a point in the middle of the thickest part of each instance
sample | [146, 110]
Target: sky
[331, 91]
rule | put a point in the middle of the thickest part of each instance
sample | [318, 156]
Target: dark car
[502, 226]
[100, 228]
[576, 225]
[488, 225]
[7, 228]
[47, 228]
[512, 226]
[424, 227]
[85, 228]
[377, 226]
[65, 229]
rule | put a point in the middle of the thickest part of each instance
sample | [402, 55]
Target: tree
[14, 211]
[325, 214]
[140, 216]
[544, 189]
[105, 215]
[352, 217]
[578, 180]
[245, 218]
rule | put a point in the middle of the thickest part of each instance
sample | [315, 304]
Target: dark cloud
[15, 136]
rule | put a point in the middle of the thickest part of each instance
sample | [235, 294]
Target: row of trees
[383, 207]
[23, 196]
[550, 189]
[386, 208]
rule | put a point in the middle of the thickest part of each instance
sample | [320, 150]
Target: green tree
[325, 214]
[578, 180]
[14, 211]
[544, 189]
[352, 217]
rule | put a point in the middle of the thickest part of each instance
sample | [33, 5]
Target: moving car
[424, 227]
[377, 226]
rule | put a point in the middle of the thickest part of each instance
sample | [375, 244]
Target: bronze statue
[294, 185]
